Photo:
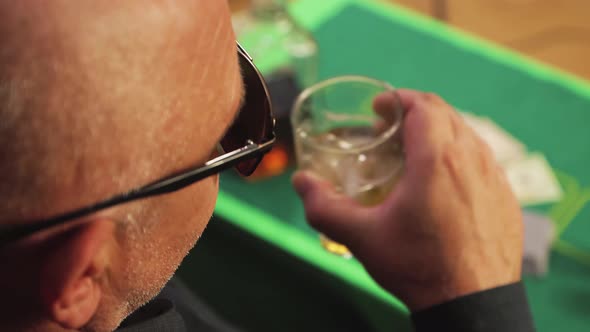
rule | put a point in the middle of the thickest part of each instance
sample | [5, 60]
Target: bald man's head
[77, 79]
[97, 98]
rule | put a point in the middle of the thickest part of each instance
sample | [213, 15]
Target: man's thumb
[337, 216]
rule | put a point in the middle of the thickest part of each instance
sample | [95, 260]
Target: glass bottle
[287, 55]
[277, 42]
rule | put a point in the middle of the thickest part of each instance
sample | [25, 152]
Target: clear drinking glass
[339, 136]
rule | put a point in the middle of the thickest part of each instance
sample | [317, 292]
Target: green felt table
[546, 109]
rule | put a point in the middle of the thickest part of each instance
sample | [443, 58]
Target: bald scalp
[90, 94]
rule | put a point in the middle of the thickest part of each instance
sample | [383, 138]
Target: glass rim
[383, 137]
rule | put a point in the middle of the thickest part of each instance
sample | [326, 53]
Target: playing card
[503, 145]
[539, 232]
[533, 180]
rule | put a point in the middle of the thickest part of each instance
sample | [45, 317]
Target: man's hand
[451, 226]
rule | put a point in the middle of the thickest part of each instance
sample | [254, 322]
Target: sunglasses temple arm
[213, 166]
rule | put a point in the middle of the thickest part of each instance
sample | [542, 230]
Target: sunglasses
[243, 146]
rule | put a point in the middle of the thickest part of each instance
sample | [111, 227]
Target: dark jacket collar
[158, 315]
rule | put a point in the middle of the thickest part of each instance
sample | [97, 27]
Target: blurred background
[556, 32]
[519, 71]
[553, 31]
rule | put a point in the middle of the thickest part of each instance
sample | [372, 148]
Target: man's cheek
[203, 202]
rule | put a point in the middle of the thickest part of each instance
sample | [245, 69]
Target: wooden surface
[556, 32]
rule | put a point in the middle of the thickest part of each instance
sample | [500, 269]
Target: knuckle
[432, 97]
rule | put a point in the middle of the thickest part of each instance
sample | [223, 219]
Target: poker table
[261, 265]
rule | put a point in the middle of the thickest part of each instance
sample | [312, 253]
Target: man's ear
[70, 289]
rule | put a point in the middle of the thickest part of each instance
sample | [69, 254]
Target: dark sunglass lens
[254, 121]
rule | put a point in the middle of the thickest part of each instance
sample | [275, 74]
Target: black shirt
[499, 309]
